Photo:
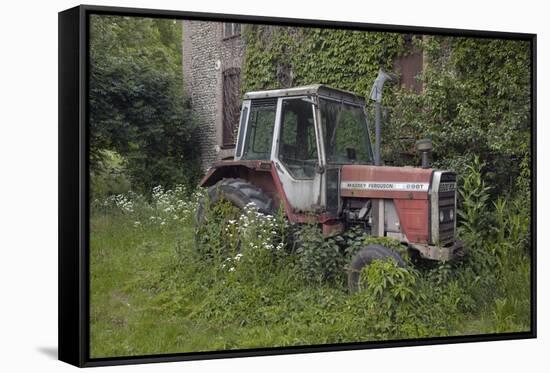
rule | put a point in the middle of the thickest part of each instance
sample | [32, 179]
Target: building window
[410, 66]
[231, 105]
[231, 29]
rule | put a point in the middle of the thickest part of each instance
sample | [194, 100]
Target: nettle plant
[387, 281]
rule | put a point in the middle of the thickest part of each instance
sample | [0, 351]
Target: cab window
[259, 132]
[297, 144]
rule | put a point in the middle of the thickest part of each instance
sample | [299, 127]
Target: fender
[231, 168]
[256, 172]
[263, 175]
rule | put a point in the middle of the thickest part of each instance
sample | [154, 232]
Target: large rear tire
[364, 258]
[237, 192]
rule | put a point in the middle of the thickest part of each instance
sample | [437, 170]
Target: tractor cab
[307, 132]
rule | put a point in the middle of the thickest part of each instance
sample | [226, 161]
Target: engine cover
[409, 189]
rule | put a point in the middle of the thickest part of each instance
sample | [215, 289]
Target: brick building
[213, 54]
[212, 58]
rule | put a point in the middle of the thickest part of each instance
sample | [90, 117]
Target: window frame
[233, 33]
[241, 132]
[245, 138]
[226, 75]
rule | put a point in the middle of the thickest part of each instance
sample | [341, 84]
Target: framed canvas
[235, 186]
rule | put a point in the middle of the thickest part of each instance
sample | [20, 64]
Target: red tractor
[308, 149]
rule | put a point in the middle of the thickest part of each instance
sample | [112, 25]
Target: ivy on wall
[476, 102]
[476, 97]
[284, 56]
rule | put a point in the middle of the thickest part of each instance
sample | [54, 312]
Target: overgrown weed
[253, 280]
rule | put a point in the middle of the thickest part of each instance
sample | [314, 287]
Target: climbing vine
[284, 56]
[476, 102]
[475, 99]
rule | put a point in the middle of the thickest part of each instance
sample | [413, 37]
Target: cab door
[296, 153]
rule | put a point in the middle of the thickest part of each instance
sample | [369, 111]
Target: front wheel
[364, 258]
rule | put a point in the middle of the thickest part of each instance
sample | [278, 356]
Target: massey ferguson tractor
[308, 149]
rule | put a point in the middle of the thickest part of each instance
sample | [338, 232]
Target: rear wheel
[238, 193]
[365, 257]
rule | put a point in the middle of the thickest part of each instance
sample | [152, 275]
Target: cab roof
[314, 89]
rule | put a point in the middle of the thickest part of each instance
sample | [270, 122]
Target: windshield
[345, 133]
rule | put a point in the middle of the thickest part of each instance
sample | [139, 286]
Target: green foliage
[111, 178]
[473, 210]
[152, 291]
[284, 56]
[216, 235]
[137, 107]
[245, 242]
[476, 102]
[388, 282]
[319, 258]
[476, 98]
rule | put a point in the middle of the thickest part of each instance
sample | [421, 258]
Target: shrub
[319, 259]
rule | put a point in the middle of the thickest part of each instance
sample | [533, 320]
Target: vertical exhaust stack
[378, 227]
[376, 96]
[424, 147]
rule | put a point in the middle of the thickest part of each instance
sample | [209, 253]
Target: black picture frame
[74, 185]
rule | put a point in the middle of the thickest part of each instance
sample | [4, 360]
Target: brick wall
[206, 55]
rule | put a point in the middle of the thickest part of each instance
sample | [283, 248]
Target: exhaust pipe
[376, 96]
[424, 147]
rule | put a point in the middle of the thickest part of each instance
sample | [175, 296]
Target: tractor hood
[385, 182]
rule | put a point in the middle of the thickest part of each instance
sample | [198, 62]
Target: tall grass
[254, 281]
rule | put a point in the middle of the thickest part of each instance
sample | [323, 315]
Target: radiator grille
[447, 208]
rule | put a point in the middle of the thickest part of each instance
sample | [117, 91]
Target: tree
[137, 106]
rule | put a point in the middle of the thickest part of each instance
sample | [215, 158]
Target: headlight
[452, 214]
[441, 216]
